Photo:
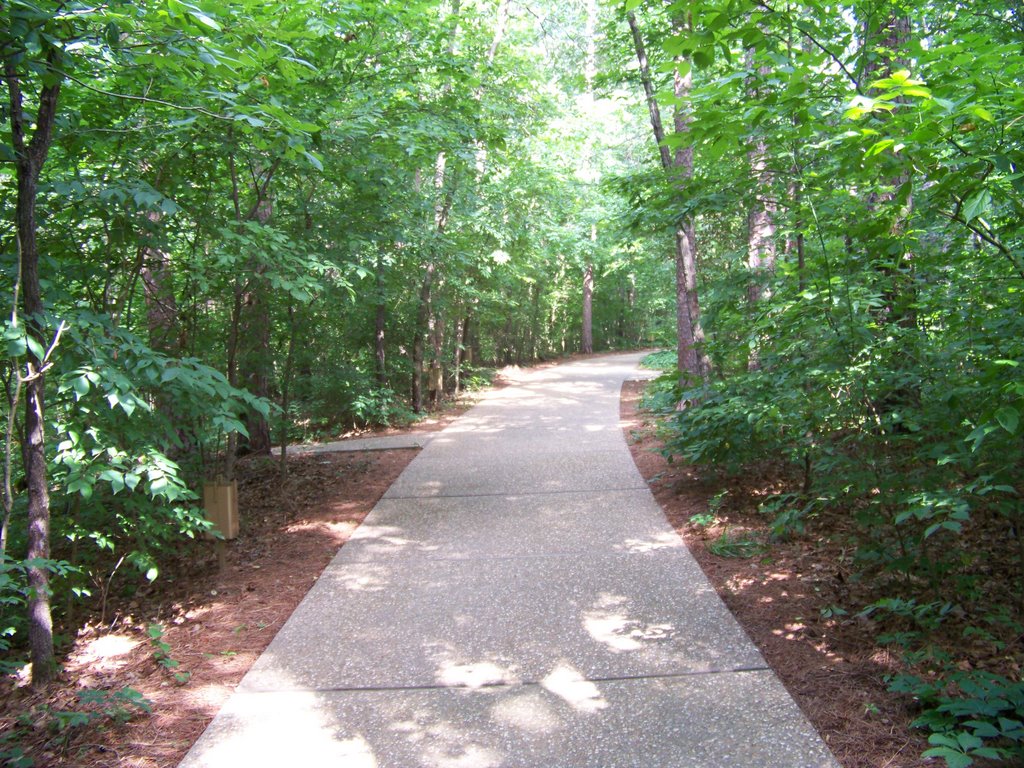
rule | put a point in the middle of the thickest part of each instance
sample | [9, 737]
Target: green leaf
[16, 347]
[1008, 418]
[35, 348]
[203, 19]
[879, 146]
[80, 384]
[977, 205]
[314, 160]
[982, 113]
[916, 90]
[953, 758]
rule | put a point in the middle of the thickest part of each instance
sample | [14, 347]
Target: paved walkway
[516, 599]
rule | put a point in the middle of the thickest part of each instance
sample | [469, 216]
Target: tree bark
[158, 289]
[255, 362]
[460, 341]
[419, 342]
[760, 223]
[587, 341]
[30, 156]
[286, 388]
[380, 326]
[691, 337]
[692, 362]
[436, 379]
[534, 319]
[249, 336]
[652, 103]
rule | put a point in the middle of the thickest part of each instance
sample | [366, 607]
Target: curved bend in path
[516, 599]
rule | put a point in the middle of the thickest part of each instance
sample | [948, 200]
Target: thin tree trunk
[161, 306]
[12, 387]
[760, 222]
[534, 319]
[459, 347]
[380, 326]
[691, 337]
[691, 361]
[470, 353]
[286, 388]
[256, 361]
[687, 358]
[30, 156]
[587, 342]
[231, 451]
[436, 379]
[251, 322]
[426, 320]
[652, 103]
[418, 345]
[166, 331]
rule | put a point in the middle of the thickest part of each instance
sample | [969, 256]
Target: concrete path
[516, 599]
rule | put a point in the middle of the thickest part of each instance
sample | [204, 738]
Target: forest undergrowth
[925, 607]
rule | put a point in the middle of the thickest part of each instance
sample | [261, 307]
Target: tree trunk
[380, 325]
[460, 341]
[231, 450]
[652, 103]
[760, 223]
[469, 341]
[886, 37]
[286, 388]
[691, 336]
[166, 331]
[255, 362]
[692, 362]
[687, 356]
[250, 322]
[30, 156]
[534, 319]
[161, 306]
[587, 341]
[418, 344]
[436, 380]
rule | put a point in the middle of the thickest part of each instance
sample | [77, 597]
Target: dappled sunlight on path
[516, 599]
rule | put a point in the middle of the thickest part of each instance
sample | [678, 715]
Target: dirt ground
[213, 623]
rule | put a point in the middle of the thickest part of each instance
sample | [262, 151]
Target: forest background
[232, 224]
